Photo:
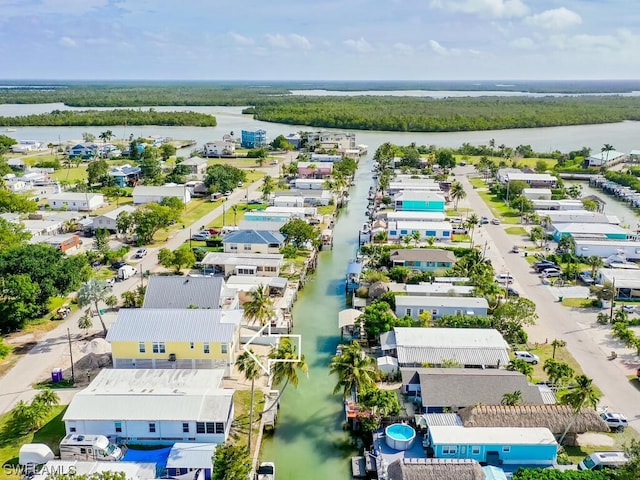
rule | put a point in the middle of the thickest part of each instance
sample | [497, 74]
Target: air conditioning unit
[172, 357]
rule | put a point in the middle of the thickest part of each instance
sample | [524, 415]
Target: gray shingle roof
[262, 237]
[182, 292]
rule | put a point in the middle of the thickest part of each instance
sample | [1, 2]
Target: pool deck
[386, 454]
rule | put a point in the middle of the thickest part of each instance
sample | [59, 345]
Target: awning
[348, 317]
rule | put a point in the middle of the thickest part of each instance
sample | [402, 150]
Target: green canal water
[308, 442]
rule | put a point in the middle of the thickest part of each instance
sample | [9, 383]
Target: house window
[210, 427]
[185, 428]
[407, 311]
[205, 347]
[247, 247]
[506, 449]
[224, 348]
[200, 427]
[72, 429]
[118, 427]
[233, 247]
[152, 428]
[458, 312]
[434, 311]
[446, 234]
[83, 450]
[158, 347]
[141, 347]
[393, 233]
[403, 232]
[219, 427]
[420, 311]
[475, 450]
[192, 345]
[449, 450]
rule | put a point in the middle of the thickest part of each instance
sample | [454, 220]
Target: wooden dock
[271, 411]
[358, 467]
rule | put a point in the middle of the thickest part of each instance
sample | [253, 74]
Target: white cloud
[403, 48]
[555, 19]
[360, 45]
[67, 42]
[288, 41]
[71, 7]
[484, 8]
[437, 48]
[586, 43]
[523, 42]
[241, 39]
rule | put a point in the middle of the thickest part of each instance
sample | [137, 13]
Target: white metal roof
[253, 259]
[166, 191]
[113, 214]
[455, 435]
[432, 301]
[418, 195]
[438, 288]
[78, 197]
[159, 381]
[419, 225]
[596, 228]
[131, 470]
[532, 177]
[624, 278]
[191, 455]
[425, 216]
[174, 325]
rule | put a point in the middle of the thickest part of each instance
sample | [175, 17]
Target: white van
[126, 271]
[602, 460]
[89, 447]
[504, 278]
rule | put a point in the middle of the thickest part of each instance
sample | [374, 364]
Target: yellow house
[175, 338]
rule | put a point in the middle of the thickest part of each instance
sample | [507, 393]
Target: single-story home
[196, 165]
[309, 183]
[438, 230]
[435, 469]
[188, 292]
[253, 241]
[191, 457]
[470, 347]
[629, 249]
[423, 259]
[627, 281]
[575, 216]
[600, 231]
[413, 216]
[109, 220]
[319, 170]
[537, 193]
[605, 158]
[144, 194]
[401, 183]
[437, 289]
[87, 202]
[494, 445]
[16, 163]
[295, 212]
[413, 306]
[450, 389]
[534, 180]
[325, 157]
[566, 204]
[153, 406]
[66, 243]
[240, 263]
[264, 216]
[285, 200]
[419, 201]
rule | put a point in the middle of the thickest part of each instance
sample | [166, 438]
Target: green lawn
[242, 407]
[545, 351]
[71, 175]
[577, 302]
[499, 209]
[521, 162]
[10, 442]
[326, 209]
[452, 212]
[477, 182]
[577, 453]
[516, 231]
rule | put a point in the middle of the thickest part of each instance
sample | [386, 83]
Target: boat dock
[271, 411]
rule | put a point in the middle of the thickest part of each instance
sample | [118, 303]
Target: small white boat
[266, 471]
[10, 130]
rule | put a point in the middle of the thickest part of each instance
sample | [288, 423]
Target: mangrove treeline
[101, 118]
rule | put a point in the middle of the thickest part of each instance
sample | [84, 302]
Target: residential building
[495, 445]
[196, 165]
[153, 406]
[283, 199]
[626, 281]
[535, 180]
[191, 458]
[273, 226]
[325, 157]
[240, 263]
[440, 306]
[450, 389]
[126, 175]
[438, 289]
[629, 249]
[331, 141]
[67, 243]
[87, 202]
[470, 347]
[253, 138]
[606, 158]
[403, 215]
[219, 149]
[84, 469]
[423, 259]
[419, 201]
[550, 205]
[550, 217]
[537, 193]
[108, 150]
[267, 216]
[143, 194]
[25, 146]
[435, 469]
[403, 182]
[188, 292]
[109, 220]
[315, 170]
[438, 230]
[84, 151]
[309, 184]
[175, 338]
[601, 231]
[253, 241]
[295, 139]
[16, 164]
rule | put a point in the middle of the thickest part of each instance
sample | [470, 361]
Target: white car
[617, 421]
[527, 357]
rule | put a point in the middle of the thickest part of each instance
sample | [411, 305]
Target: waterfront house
[188, 292]
[309, 184]
[537, 193]
[320, 170]
[196, 165]
[435, 469]
[175, 338]
[419, 201]
[265, 216]
[550, 217]
[422, 259]
[309, 197]
[402, 182]
[253, 241]
[86, 202]
[191, 458]
[534, 180]
[241, 263]
[125, 175]
[326, 140]
[143, 194]
[109, 220]
[219, 149]
[402, 228]
[628, 249]
[295, 212]
[450, 389]
[84, 151]
[470, 347]
[253, 138]
[325, 157]
[401, 215]
[494, 445]
[437, 289]
[437, 307]
[596, 231]
[284, 199]
[606, 158]
[153, 406]
[550, 205]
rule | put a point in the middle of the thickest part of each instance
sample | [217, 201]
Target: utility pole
[73, 375]
[141, 276]
[613, 297]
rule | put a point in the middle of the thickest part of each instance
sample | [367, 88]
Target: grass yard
[10, 442]
[577, 453]
[545, 351]
[520, 162]
[113, 204]
[326, 209]
[195, 209]
[577, 302]
[516, 231]
[452, 212]
[71, 175]
[477, 182]
[240, 427]
[499, 209]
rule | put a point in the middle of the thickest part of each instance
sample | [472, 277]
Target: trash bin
[56, 375]
[526, 254]
[560, 299]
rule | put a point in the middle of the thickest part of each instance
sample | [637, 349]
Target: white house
[143, 194]
[219, 149]
[87, 202]
[535, 180]
[325, 157]
[537, 193]
[253, 264]
[576, 216]
[196, 165]
[153, 406]
[437, 307]
[309, 183]
[438, 290]
[414, 216]
[283, 200]
[606, 248]
[566, 204]
[606, 158]
[108, 220]
[400, 229]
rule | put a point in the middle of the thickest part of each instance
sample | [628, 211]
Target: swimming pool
[400, 436]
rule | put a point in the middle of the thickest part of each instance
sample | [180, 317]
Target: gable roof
[423, 255]
[166, 191]
[195, 161]
[444, 302]
[420, 195]
[469, 386]
[260, 237]
[435, 469]
[174, 325]
[182, 292]
[113, 214]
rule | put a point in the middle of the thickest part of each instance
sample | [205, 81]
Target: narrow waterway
[309, 441]
[627, 216]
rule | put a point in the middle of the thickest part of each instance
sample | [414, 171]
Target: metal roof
[261, 237]
[595, 228]
[182, 292]
[113, 214]
[191, 455]
[422, 254]
[348, 317]
[426, 195]
[166, 191]
[491, 436]
[433, 301]
[438, 289]
[254, 259]
[174, 325]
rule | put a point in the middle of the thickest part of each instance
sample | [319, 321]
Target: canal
[309, 441]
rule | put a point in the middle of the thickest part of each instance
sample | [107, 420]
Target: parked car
[629, 308]
[141, 252]
[484, 221]
[495, 221]
[201, 236]
[586, 278]
[118, 264]
[617, 421]
[551, 272]
[543, 265]
[213, 231]
[527, 357]
[512, 292]
[515, 249]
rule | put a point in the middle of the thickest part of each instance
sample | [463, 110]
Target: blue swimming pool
[400, 436]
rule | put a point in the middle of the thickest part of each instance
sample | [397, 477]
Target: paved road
[52, 348]
[588, 342]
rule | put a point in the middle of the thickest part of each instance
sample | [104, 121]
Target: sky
[319, 39]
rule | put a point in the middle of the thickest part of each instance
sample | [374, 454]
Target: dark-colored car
[118, 264]
[512, 292]
[543, 265]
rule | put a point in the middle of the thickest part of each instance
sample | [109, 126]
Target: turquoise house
[419, 201]
[495, 445]
[603, 231]
[262, 216]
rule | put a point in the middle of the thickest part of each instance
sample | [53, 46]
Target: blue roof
[264, 237]
[354, 267]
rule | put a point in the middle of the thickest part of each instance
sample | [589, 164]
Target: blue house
[604, 231]
[253, 139]
[494, 445]
[84, 151]
[126, 175]
[419, 201]
[423, 259]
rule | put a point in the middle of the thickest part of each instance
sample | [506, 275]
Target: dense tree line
[95, 118]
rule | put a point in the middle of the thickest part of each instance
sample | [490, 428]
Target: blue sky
[320, 39]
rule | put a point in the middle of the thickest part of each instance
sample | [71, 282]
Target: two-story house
[222, 148]
[253, 138]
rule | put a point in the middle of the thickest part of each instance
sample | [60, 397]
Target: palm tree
[260, 307]
[285, 366]
[268, 186]
[606, 148]
[416, 236]
[583, 393]
[106, 136]
[595, 262]
[557, 371]
[47, 397]
[511, 398]
[249, 367]
[355, 370]
[472, 222]
[91, 292]
[457, 193]
[557, 343]
[519, 365]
